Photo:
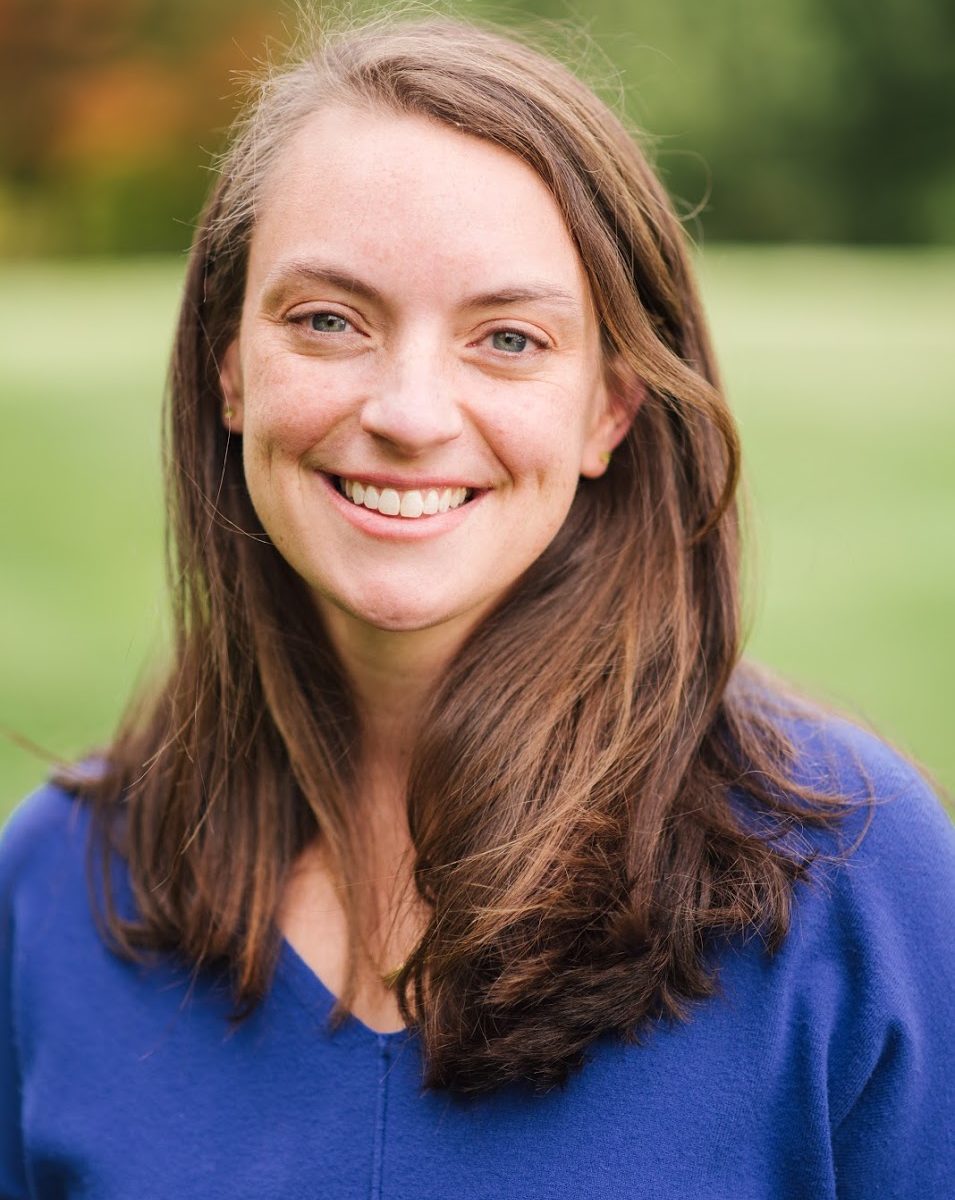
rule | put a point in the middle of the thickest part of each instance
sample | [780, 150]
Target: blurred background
[809, 145]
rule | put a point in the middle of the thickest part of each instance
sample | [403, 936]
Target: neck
[394, 675]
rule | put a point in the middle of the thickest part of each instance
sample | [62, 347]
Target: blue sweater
[827, 1070]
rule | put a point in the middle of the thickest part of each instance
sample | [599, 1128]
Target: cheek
[289, 408]
[540, 443]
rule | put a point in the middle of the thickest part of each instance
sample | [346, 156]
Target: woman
[458, 853]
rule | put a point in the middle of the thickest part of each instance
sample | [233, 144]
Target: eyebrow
[291, 273]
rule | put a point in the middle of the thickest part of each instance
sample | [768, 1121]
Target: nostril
[408, 419]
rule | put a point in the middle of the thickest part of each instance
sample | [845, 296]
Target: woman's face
[417, 377]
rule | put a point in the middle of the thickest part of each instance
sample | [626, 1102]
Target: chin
[397, 619]
[399, 613]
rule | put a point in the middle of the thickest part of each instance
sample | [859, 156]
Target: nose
[412, 405]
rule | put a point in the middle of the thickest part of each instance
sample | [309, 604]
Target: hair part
[600, 790]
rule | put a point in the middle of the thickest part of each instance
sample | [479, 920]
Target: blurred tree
[812, 120]
[891, 149]
[111, 107]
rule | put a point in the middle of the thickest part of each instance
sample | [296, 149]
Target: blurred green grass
[839, 364]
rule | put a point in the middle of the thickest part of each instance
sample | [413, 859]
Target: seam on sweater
[381, 1113]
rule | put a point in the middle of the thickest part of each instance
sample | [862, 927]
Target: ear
[230, 380]
[623, 393]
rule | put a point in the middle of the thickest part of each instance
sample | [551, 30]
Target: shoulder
[898, 820]
[833, 749]
[853, 1017]
[42, 823]
[42, 841]
[875, 942]
[886, 877]
[872, 931]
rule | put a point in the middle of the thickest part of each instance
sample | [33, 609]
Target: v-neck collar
[309, 989]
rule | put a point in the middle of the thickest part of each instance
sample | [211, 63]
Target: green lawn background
[839, 365]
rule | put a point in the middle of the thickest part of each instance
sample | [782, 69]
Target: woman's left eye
[512, 341]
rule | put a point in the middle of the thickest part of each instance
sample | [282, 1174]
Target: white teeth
[412, 504]
[389, 502]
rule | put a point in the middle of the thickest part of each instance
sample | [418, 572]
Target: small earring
[605, 457]
[228, 412]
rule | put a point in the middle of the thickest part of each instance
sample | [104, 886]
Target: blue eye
[509, 340]
[327, 322]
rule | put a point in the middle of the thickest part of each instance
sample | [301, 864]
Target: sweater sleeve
[893, 1127]
[13, 847]
[13, 1183]
[29, 846]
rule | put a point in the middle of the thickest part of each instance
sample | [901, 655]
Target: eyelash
[301, 320]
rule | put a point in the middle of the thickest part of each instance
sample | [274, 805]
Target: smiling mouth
[412, 503]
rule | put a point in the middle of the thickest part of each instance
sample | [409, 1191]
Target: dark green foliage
[800, 120]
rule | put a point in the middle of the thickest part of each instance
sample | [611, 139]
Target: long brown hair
[600, 789]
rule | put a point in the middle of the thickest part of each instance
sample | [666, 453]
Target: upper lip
[418, 483]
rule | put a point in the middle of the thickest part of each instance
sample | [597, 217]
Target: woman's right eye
[326, 322]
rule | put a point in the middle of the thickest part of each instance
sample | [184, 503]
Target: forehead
[421, 205]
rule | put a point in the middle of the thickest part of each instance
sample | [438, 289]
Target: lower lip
[397, 529]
